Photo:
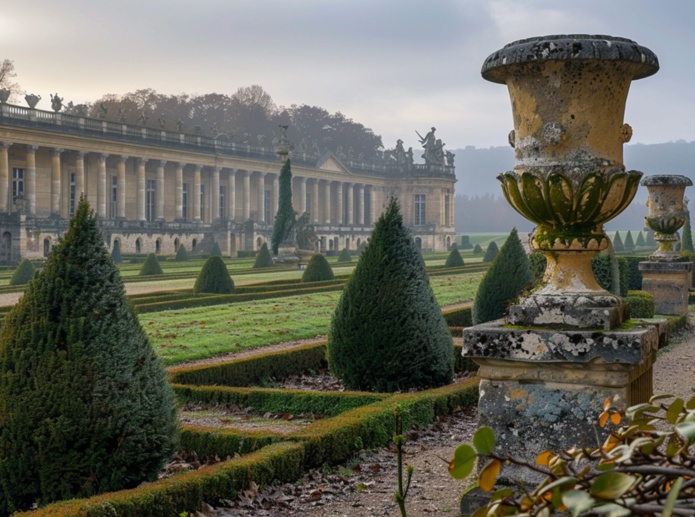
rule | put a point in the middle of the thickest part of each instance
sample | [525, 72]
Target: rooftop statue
[429, 143]
[121, 115]
[142, 118]
[56, 103]
[103, 110]
[179, 126]
[161, 121]
[450, 158]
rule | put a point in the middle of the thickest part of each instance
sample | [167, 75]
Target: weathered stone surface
[669, 283]
[496, 341]
[574, 311]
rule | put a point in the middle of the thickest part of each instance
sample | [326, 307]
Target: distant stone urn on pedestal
[4, 95]
[32, 100]
[568, 98]
[667, 212]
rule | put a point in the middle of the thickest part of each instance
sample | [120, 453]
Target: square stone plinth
[669, 283]
[545, 389]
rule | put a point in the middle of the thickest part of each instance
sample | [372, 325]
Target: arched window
[46, 246]
[194, 244]
[7, 247]
[158, 246]
[448, 242]
[347, 243]
[177, 243]
[418, 243]
[259, 243]
[138, 246]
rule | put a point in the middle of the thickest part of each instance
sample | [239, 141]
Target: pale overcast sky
[395, 66]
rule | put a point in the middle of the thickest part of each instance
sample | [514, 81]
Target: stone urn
[568, 96]
[666, 212]
[4, 95]
[32, 100]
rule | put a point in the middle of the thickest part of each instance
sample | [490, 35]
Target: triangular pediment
[329, 162]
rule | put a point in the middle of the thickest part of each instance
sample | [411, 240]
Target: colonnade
[329, 201]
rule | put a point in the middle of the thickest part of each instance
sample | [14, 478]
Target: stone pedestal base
[545, 389]
[669, 283]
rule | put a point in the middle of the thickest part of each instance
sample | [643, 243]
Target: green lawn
[185, 335]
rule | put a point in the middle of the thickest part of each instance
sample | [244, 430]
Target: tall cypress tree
[639, 242]
[285, 218]
[618, 243]
[86, 407]
[629, 243]
[508, 275]
[388, 332]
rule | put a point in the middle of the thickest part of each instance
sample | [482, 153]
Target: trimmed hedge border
[459, 317]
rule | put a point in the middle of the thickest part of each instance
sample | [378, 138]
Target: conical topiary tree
[687, 242]
[639, 242]
[629, 244]
[24, 272]
[651, 241]
[86, 407]
[215, 251]
[181, 254]
[477, 250]
[344, 255]
[388, 332]
[508, 275]
[116, 252]
[151, 266]
[263, 259]
[491, 252]
[454, 259]
[214, 277]
[618, 243]
[317, 270]
[285, 217]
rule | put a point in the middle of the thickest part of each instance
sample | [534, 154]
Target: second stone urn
[568, 98]
[666, 212]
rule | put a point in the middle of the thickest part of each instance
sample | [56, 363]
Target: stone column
[261, 197]
[302, 196]
[276, 196]
[120, 185]
[101, 186]
[141, 216]
[340, 215]
[360, 205]
[179, 191]
[326, 201]
[4, 176]
[159, 192]
[196, 193]
[372, 205]
[350, 204]
[31, 179]
[246, 196]
[79, 174]
[231, 195]
[315, 202]
[215, 194]
[55, 182]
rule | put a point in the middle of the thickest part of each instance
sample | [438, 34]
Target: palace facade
[154, 190]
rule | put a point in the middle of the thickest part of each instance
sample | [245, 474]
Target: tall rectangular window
[223, 202]
[114, 197]
[18, 182]
[184, 201]
[420, 209]
[266, 206]
[447, 208]
[73, 191]
[308, 202]
[202, 202]
[149, 200]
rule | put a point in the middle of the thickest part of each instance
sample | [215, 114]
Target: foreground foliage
[85, 404]
[644, 468]
[388, 332]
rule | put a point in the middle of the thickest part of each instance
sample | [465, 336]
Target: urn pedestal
[564, 348]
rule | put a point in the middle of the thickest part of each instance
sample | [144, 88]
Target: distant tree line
[248, 116]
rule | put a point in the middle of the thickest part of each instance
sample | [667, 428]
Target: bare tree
[7, 73]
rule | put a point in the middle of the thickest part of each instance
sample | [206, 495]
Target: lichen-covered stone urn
[666, 212]
[568, 97]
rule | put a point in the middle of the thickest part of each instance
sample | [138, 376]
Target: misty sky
[395, 66]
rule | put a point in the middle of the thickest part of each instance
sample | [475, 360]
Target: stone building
[154, 190]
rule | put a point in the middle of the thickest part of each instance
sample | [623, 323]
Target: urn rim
[565, 47]
[666, 180]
